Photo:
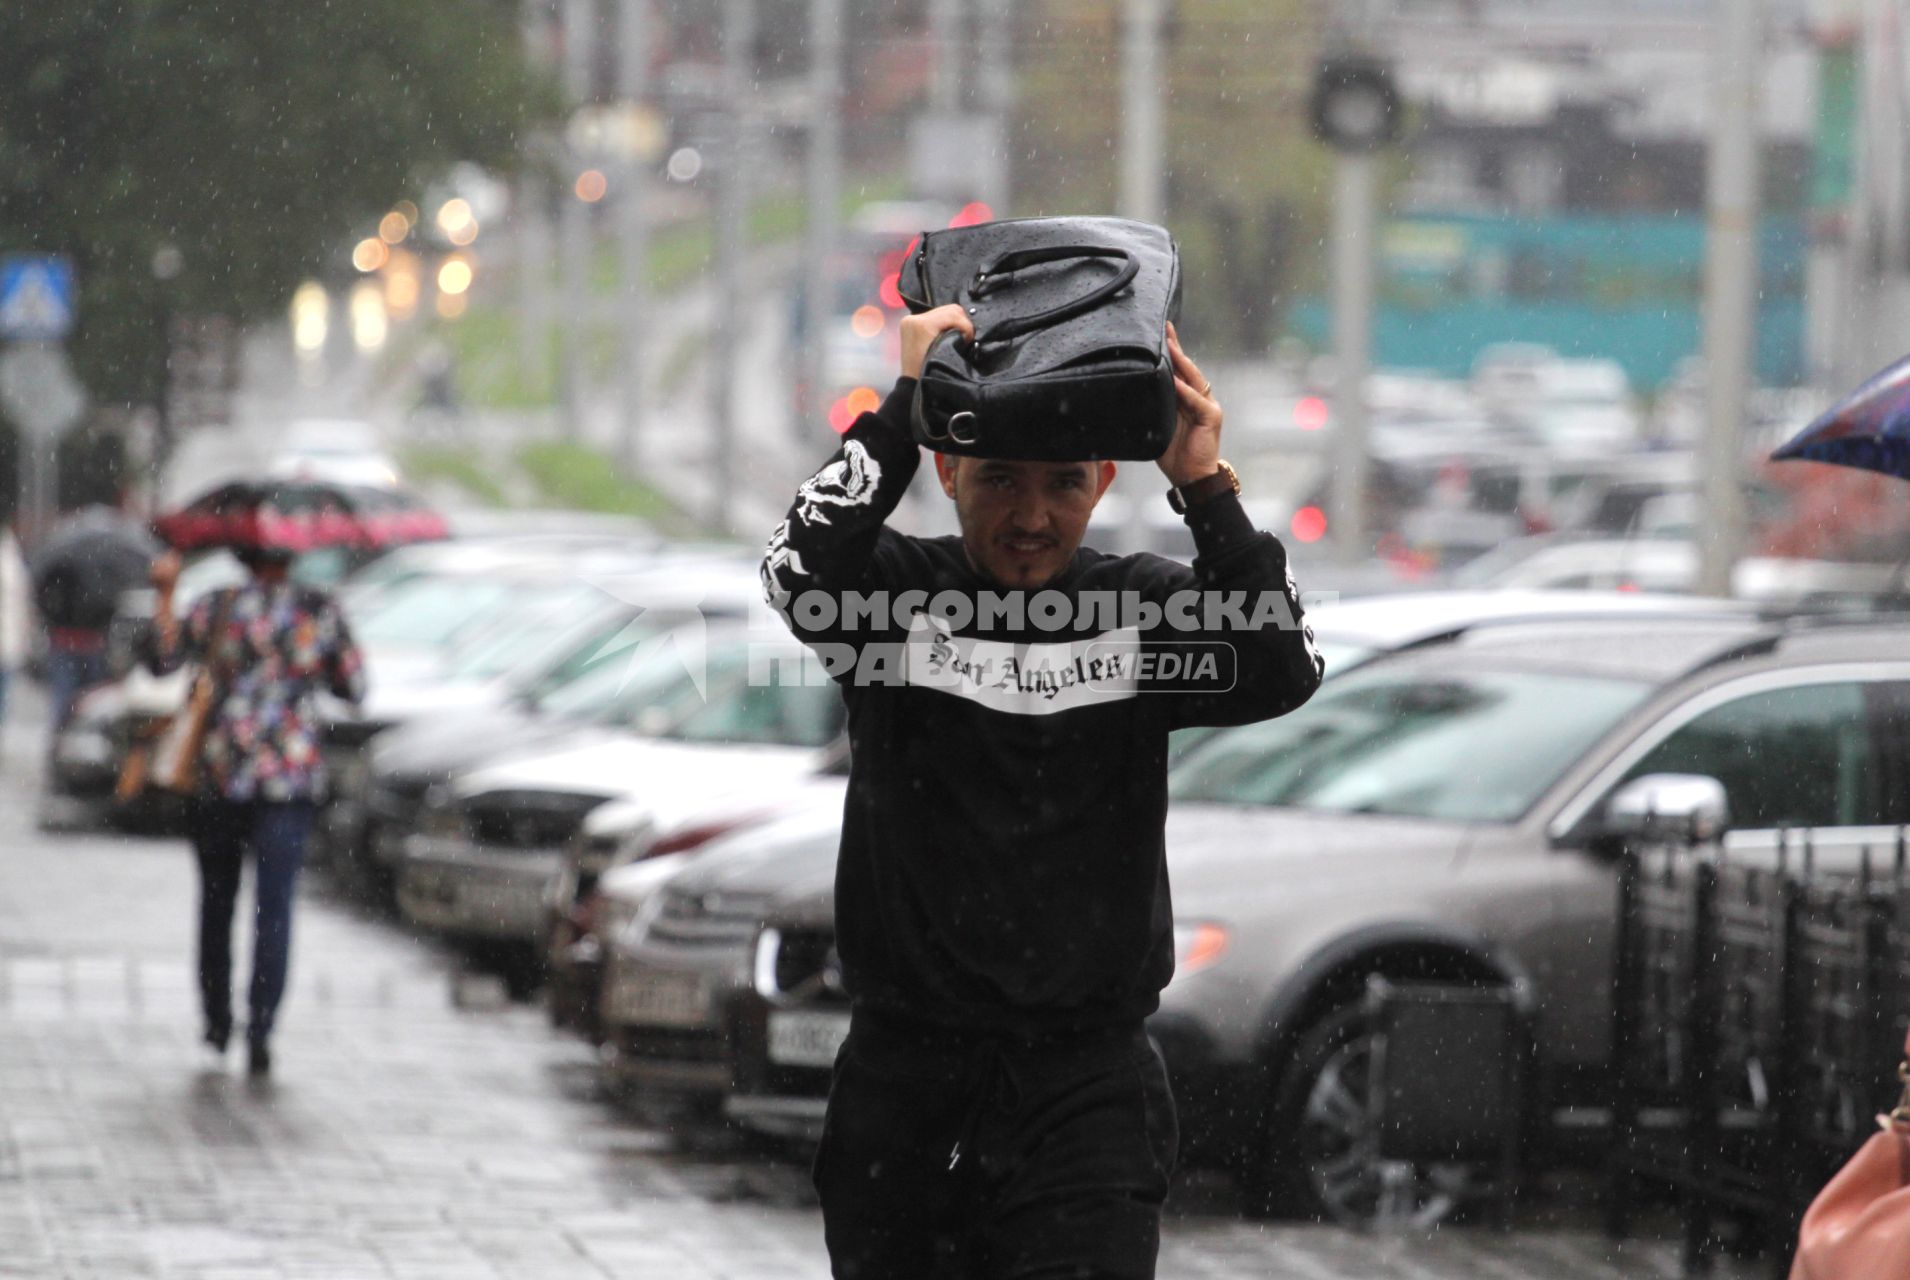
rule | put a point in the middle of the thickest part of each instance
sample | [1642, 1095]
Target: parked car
[1578, 406]
[1664, 565]
[490, 844]
[511, 692]
[675, 828]
[1439, 815]
[343, 451]
[679, 984]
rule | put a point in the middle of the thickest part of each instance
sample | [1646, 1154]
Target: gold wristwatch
[1225, 480]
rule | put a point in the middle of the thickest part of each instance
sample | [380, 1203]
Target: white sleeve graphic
[782, 566]
[850, 481]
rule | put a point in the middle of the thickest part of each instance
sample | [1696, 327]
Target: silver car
[678, 967]
[1442, 815]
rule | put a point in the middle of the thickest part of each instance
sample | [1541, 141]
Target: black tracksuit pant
[982, 1157]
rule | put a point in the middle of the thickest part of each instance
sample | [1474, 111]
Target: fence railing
[1759, 1018]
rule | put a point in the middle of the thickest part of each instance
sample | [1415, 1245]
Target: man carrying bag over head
[1002, 905]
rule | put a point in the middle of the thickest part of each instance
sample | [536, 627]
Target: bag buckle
[961, 429]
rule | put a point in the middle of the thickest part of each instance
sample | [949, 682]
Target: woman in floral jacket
[271, 645]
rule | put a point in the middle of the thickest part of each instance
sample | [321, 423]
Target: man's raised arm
[828, 540]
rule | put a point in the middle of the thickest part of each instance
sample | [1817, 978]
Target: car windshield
[1341, 655]
[611, 641]
[429, 612]
[538, 627]
[670, 690]
[1476, 746]
[626, 676]
[777, 708]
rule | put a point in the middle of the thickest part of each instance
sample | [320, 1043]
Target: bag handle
[990, 277]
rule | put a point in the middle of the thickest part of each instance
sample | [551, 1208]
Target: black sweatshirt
[1002, 865]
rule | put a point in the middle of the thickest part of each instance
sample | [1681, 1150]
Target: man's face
[1022, 521]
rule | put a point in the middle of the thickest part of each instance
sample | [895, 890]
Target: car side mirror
[1667, 808]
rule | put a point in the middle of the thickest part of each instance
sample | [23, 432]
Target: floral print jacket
[278, 646]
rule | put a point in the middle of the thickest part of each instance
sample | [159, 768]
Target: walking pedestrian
[1002, 910]
[77, 614]
[269, 645]
[16, 624]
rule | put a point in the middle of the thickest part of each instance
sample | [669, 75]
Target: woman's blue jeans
[223, 833]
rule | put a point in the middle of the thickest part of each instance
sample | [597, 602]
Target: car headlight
[1197, 944]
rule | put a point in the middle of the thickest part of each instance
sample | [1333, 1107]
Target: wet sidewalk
[417, 1125]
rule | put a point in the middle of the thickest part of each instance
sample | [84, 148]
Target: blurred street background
[639, 256]
[548, 305]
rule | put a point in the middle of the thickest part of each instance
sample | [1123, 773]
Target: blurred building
[1553, 189]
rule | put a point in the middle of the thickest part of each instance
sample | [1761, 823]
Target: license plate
[503, 904]
[661, 999]
[806, 1039]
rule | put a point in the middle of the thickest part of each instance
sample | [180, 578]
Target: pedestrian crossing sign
[36, 298]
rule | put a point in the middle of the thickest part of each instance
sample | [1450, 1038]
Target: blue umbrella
[1869, 429]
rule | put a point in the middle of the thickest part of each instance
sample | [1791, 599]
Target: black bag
[1069, 361]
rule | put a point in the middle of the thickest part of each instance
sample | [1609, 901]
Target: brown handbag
[167, 760]
[1858, 1227]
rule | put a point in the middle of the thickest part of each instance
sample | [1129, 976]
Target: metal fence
[1760, 1011]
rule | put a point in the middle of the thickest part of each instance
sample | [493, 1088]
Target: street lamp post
[1355, 110]
[1730, 288]
[167, 265]
[633, 66]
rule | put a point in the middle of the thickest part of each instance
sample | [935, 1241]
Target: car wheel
[1319, 1157]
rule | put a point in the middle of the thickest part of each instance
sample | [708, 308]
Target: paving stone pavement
[411, 1132]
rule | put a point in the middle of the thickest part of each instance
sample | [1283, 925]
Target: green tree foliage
[255, 136]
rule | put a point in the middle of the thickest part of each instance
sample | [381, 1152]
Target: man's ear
[945, 471]
[1104, 476]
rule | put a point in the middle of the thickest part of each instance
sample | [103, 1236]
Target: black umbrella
[84, 564]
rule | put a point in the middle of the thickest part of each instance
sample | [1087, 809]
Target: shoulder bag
[167, 759]
[1069, 361]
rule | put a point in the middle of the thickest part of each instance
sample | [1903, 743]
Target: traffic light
[1355, 106]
